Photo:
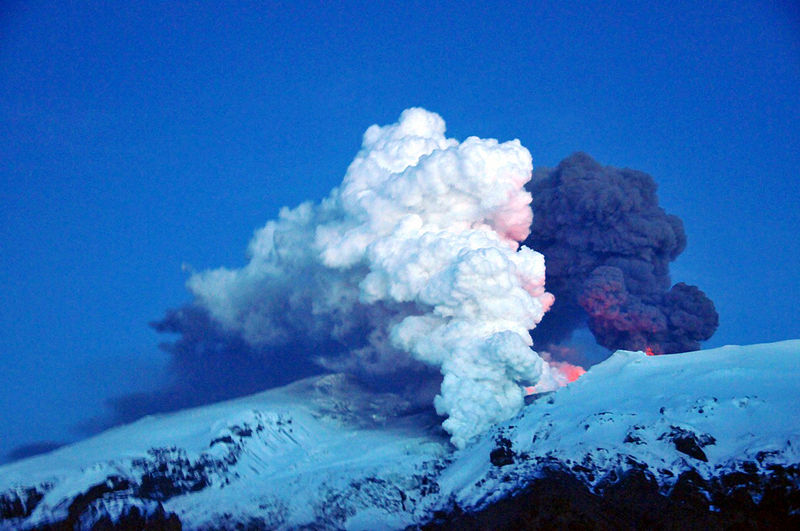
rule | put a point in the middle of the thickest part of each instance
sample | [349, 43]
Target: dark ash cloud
[30, 450]
[607, 246]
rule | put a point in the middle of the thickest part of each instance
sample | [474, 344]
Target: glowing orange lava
[649, 351]
[563, 372]
[571, 372]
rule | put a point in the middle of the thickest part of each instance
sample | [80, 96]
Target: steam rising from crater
[412, 262]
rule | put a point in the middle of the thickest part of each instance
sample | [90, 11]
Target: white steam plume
[417, 255]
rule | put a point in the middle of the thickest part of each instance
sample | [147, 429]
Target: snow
[745, 398]
[318, 451]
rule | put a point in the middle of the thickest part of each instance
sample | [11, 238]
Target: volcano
[707, 438]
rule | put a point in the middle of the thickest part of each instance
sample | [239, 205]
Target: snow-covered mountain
[712, 436]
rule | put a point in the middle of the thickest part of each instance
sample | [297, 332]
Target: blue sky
[137, 138]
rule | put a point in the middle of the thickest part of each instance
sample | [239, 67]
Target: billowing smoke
[608, 246]
[210, 363]
[412, 266]
[563, 373]
[410, 277]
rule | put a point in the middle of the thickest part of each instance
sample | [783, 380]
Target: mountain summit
[710, 437]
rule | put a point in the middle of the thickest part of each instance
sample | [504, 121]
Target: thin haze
[136, 139]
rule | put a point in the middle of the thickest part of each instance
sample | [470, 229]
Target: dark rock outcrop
[20, 503]
[742, 499]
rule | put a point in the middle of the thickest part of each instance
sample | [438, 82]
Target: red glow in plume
[569, 371]
[563, 371]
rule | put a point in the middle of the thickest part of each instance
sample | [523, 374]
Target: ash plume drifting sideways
[412, 266]
[608, 246]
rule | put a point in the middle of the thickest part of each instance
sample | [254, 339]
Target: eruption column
[417, 251]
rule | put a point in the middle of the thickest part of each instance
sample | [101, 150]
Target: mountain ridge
[326, 452]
